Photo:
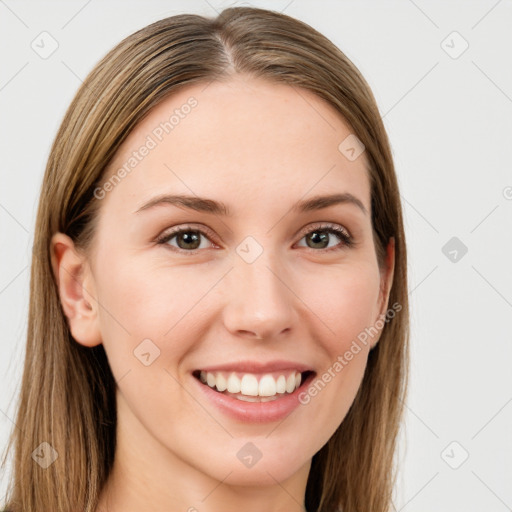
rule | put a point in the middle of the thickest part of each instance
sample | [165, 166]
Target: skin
[259, 147]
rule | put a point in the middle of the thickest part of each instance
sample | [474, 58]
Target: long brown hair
[67, 395]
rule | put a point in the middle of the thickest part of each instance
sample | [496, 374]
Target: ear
[386, 283]
[76, 290]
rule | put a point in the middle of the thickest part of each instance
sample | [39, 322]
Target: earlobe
[74, 285]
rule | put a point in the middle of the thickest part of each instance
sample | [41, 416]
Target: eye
[319, 237]
[188, 239]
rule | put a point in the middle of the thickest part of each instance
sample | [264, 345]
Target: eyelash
[347, 240]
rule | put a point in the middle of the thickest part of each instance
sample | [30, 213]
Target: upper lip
[257, 367]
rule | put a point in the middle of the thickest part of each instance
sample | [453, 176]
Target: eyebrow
[202, 204]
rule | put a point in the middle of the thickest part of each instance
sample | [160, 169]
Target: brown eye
[187, 239]
[319, 238]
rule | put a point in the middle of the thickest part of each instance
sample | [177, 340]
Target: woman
[218, 307]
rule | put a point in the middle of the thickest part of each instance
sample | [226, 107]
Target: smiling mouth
[251, 387]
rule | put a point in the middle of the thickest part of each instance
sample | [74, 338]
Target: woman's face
[261, 289]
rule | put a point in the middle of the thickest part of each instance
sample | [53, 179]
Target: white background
[450, 124]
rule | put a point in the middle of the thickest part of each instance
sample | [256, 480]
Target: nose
[259, 302]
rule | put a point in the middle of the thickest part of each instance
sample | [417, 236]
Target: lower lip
[255, 412]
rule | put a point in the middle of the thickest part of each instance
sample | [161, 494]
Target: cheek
[143, 300]
[145, 324]
[144, 295]
[345, 300]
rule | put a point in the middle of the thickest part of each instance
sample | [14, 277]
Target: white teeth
[221, 382]
[210, 379]
[290, 383]
[267, 386]
[281, 384]
[234, 384]
[249, 386]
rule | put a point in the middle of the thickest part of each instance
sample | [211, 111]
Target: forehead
[243, 138]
